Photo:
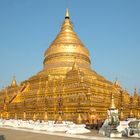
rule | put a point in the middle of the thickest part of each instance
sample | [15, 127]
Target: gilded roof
[66, 41]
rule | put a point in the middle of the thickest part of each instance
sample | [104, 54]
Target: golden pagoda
[67, 85]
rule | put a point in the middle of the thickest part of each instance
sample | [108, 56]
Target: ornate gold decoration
[112, 106]
[15, 116]
[59, 118]
[34, 117]
[14, 83]
[24, 115]
[1, 115]
[79, 119]
[45, 116]
[131, 113]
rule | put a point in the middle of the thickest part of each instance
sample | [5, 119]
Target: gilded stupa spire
[67, 14]
[14, 83]
[67, 25]
[116, 83]
[135, 92]
[66, 46]
[112, 106]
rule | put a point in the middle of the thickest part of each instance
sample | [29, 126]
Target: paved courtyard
[13, 134]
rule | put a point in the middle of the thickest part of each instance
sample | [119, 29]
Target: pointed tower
[60, 55]
[75, 71]
[135, 92]
[14, 83]
[75, 66]
[135, 102]
[135, 97]
[116, 83]
[67, 14]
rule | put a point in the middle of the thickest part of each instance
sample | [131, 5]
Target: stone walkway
[24, 134]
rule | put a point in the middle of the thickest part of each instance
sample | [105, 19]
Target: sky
[110, 29]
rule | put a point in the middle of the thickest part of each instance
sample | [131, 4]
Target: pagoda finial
[116, 83]
[135, 91]
[14, 77]
[112, 106]
[67, 14]
[14, 83]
